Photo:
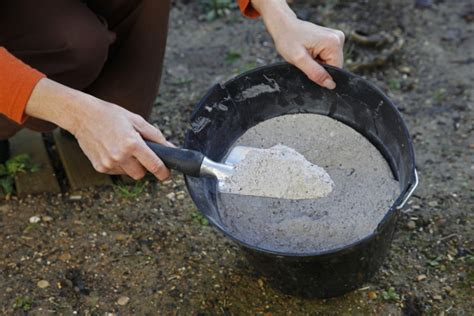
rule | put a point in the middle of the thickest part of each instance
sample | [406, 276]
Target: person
[93, 68]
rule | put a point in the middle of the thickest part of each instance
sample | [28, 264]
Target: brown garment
[112, 49]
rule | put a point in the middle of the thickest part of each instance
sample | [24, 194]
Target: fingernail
[171, 144]
[329, 83]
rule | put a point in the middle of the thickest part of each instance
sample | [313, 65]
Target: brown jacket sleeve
[17, 81]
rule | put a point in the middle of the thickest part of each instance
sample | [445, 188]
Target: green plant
[199, 218]
[23, 302]
[232, 56]
[439, 95]
[434, 262]
[13, 166]
[394, 84]
[216, 8]
[470, 260]
[390, 295]
[182, 81]
[130, 191]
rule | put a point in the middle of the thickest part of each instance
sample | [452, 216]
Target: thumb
[315, 71]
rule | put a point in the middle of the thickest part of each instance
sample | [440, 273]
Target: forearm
[275, 14]
[56, 103]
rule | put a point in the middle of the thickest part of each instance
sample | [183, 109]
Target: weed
[216, 8]
[390, 295]
[23, 302]
[470, 260]
[182, 81]
[244, 68]
[130, 191]
[232, 56]
[199, 218]
[435, 262]
[394, 84]
[13, 166]
[439, 95]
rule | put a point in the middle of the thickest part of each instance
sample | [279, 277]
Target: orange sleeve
[17, 81]
[247, 9]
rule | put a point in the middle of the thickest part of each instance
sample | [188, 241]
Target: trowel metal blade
[237, 154]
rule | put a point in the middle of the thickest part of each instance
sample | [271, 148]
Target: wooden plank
[44, 180]
[79, 170]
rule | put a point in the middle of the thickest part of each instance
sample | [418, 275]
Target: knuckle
[299, 58]
[334, 39]
[117, 157]
[140, 121]
[131, 144]
[340, 36]
[157, 167]
[107, 164]
[138, 175]
[100, 168]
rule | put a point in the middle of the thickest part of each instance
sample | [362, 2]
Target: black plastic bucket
[226, 112]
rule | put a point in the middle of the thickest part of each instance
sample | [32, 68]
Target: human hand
[302, 43]
[112, 139]
[110, 136]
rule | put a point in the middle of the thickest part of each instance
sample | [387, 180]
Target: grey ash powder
[362, 192]
[260, 174]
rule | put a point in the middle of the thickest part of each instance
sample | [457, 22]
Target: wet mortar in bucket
[362, 188]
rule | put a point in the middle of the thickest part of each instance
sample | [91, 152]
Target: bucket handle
[410, 192]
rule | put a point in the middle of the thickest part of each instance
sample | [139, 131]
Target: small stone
[437, 297]
[167, 182]
[260, 283]
[121, 237]
[180, 195]
[9, 289]
[372, 295]
[421, 277]
[405, 69]
[433, 203]
[47, 219]
[42, 284]
[35, 219]
[171, 196]
[123, 300]
[65, 257]
[75, 197]
[411, 225]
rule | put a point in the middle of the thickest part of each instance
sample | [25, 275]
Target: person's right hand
[110, 136]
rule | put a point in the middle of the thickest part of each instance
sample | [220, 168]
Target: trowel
[194, 163]
[245, 180]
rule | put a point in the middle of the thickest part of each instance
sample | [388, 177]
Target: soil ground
[146, 251]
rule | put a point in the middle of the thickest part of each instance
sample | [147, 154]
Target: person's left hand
[302, 43]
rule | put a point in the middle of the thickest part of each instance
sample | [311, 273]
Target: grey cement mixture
[259, 174]
[363, 191]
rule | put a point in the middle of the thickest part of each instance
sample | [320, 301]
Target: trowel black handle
[184, 160]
